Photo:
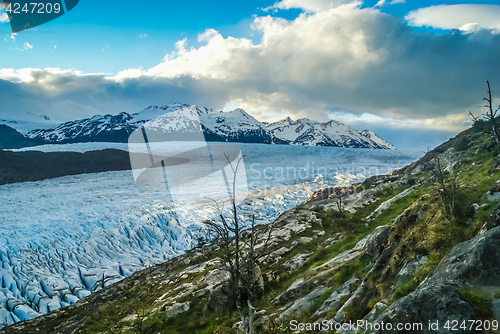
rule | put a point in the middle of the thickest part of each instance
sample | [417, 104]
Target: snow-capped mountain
[238, 126]
[233, 126]
[26, 121]
[332, 133]
[99, 128]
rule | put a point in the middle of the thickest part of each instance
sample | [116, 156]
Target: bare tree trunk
[491, 115]
[448, 192]
[242, 260]
[236, 231]
[251, 309]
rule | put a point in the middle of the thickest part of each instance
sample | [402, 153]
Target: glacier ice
[64, 238]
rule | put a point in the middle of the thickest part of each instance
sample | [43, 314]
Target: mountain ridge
[233, 126]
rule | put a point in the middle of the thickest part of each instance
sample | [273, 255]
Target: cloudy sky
[409, 70]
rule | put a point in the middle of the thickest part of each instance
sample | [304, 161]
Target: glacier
[64, 238]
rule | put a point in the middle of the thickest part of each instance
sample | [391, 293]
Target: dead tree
[474, 118]
[341, 194]
[340, 206]
[448, 190]
[491, 114]
[242, 250]
[256, 241]
[223, 232]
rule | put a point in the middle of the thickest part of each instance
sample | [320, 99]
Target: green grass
[463, 144]
[348, 271]
[351, 226]
[482, 305]
[354, 312]
[411, 285]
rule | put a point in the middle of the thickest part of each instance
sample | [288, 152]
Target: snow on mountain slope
[332, 133]
[372, 136]
[175, 124]
[346, 136]
[98, 128]
[287, 129]
[64, 238]
[152, 112]
[27, 121]
[238, 126]
[233, 126]
[312, 136]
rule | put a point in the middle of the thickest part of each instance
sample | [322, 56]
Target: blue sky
[130, 36]
[397, 67]
[117, 27]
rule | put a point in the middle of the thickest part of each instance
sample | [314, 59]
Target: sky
[408, 70]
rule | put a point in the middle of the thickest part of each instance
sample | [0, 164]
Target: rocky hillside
[390, 250]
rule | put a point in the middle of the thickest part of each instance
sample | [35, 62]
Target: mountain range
[233, 126]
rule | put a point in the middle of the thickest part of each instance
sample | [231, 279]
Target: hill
[10, 138]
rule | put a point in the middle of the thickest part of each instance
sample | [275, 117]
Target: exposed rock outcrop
[471, 264]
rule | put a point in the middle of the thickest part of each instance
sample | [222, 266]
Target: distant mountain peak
[232, 126]
[307, 121]
[43, 117]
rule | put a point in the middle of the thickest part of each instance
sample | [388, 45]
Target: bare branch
[474, 118]
[490, 115]
[448, 189]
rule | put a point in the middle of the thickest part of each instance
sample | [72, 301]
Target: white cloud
[456, 16]
[4, 18]
[313, 6]
[28, 46]
[344, 59]
[381, 3]
[3, 14]
[331, 45]
[451, 123]
[143, 35]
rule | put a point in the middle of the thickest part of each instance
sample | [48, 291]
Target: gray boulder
[334, 301]
[474, 263]
[493, 220]
[304, 303]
